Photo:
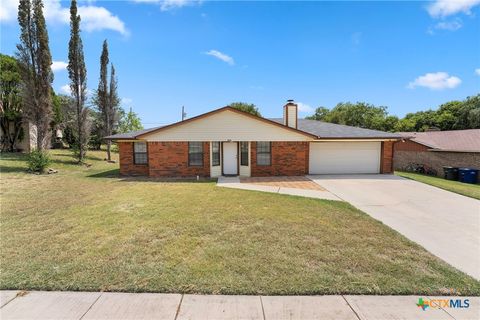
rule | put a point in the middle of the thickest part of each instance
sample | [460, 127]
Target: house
[457, 148]
[26, 142]
[227, 141]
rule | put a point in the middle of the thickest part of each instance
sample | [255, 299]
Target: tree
[246, 107]
[320, 114]
[35, 60]
[106, 97]
[129, 121]
[358, 114]
[78, 83]
[10, 102]
[469, 114]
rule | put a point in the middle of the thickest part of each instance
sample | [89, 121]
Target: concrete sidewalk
[234, 182]
[97, 305]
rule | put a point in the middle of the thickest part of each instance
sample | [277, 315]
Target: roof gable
[226, 124]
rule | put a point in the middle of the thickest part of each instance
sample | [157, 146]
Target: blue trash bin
[467, 175]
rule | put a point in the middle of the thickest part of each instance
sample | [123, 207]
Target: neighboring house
[457, 148]
[227, 141]
[28, 141]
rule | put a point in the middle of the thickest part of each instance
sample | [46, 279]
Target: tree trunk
[109, 144]
[39, 137]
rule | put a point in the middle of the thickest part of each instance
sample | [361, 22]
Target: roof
[313, 128]
[131, 134]
[454, 140]
[326, 130]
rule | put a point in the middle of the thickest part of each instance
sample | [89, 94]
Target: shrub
[38, 161]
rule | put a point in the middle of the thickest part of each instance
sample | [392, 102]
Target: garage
[344, 157]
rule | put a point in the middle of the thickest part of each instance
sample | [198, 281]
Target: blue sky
[408, 56]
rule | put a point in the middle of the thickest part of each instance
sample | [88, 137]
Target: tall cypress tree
[78, 82]
[106, 97]
[33, 53]
[113, 103]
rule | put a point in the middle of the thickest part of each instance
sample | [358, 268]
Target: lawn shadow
[115, 174]
[9, 169]
[13, 156]
[69, 159]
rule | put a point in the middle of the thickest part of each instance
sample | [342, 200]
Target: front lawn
[85, 228]
[466, 189]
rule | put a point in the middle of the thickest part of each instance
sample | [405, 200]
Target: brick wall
[127, 167]
[436, 159]
[386, 161]
[288, 159]
[170, 159]
[409, 145]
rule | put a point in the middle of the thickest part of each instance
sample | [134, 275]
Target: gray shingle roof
[323, 130]
[338, 131]
[130, 135]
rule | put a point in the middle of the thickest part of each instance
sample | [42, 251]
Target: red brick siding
[127, 167]
[409, 145]
[288, 159]
[170, 159]
[386, 160]
[437, 159]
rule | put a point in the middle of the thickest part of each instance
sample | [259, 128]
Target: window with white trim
[195, 154]
[264, 153]
[215, 154]
[140, 153]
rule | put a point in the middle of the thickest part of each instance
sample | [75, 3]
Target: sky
[408, 56]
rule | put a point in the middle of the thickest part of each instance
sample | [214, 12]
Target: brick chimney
[290, 114]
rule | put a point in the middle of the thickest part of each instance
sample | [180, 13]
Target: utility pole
[184, 114]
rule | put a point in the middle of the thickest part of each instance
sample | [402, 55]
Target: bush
[38, 161]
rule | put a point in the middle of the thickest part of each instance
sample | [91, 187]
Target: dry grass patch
[88, 229]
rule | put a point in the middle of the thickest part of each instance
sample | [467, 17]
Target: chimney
[290, 114]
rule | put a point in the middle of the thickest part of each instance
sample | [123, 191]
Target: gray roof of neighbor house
[454, 140]
[338, 131]
[131, 134]
[314, 128]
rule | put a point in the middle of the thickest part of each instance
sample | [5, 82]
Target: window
[195, 154]
[264, 153]
[215, 154]
[244, 153]
[140, 153]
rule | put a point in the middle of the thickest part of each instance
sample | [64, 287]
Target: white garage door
[344, 157]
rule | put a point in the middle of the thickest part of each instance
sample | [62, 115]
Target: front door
[230, 158]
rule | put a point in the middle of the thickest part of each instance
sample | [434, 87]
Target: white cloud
[127, 101]
[449, 25]
[435, 81]
[66, 89]
[222, 56]
[356, 38]
[8, 10]
[444, 8]
[59, 66]
[304, 108]
[477, 71]
[94, 18]
[166, 5]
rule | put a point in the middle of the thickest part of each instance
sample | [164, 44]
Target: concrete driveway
[445, 223]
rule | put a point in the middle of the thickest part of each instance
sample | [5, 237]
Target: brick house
[227, 141]
[457, 148]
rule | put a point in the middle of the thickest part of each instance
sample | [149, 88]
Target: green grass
[85, 228]
[466, 189]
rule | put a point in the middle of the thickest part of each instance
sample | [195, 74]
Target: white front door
[230, 158]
